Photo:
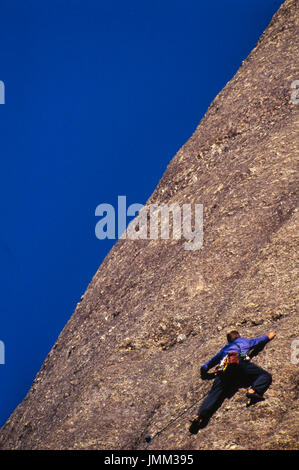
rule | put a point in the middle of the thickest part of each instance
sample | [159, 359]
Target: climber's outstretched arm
[258, 344]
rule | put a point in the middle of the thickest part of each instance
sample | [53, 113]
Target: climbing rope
[149, 439]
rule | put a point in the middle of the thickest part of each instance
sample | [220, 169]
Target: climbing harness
[231, 359]
[149, 439]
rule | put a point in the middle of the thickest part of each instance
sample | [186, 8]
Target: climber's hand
[204, 374]
[271, 335]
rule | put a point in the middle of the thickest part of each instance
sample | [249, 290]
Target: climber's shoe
[198, 423]
[254, 397]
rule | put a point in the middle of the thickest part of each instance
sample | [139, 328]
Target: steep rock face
[128, 360]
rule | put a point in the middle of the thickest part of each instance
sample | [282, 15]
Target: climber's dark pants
[225, 385]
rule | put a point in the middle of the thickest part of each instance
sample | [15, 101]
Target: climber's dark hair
[232, 335]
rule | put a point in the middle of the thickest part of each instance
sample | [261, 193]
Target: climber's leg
[214, 399]
[260, 379]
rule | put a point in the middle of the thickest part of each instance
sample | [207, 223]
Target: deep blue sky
[100, 95]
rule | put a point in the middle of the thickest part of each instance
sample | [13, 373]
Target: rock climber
[234, 369]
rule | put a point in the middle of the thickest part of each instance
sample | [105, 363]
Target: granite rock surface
[128, 360]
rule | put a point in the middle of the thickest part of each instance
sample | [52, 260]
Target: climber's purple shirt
[238, 345]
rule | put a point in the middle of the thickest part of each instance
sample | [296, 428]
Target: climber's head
[232, 335]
